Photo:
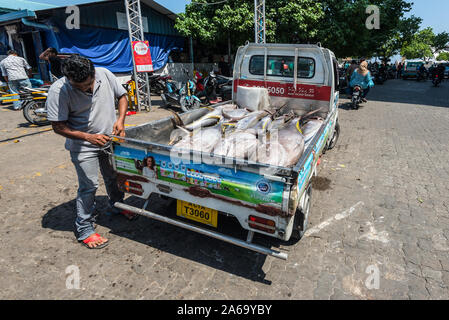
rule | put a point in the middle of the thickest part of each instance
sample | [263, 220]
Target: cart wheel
[302, 216]
[335, 137]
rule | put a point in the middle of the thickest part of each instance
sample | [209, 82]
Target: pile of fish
[267, 136]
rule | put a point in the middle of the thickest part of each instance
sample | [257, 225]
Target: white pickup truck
[265, 199]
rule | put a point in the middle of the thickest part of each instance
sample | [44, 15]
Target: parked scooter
[157, 83]
[379, 77]
[213, 88]
[182, 95]
[343, 80]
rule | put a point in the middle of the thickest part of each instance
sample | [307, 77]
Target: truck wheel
[335, 137]
[302, 217]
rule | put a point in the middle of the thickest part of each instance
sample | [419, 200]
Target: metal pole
[191, 53]
[212, 234]
[136, 33]
[259, 21]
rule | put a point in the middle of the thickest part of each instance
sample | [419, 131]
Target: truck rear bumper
[216, 235]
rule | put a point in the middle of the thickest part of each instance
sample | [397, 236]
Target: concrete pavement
[379, 222]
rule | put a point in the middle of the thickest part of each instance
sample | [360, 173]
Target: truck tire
[335, 137]
[302, 217]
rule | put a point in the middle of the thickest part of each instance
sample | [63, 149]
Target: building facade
[97, 30]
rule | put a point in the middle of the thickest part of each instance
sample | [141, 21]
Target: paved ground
[380, 206]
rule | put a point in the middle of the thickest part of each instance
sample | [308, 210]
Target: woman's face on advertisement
[149, 162]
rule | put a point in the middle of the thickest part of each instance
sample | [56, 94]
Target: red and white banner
[288, 90]
[142, 56]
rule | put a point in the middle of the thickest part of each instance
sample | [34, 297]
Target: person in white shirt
[16, 72]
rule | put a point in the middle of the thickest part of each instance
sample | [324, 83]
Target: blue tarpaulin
[111, 49]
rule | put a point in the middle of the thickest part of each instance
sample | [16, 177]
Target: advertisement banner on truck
[142, 56]
[212, 180]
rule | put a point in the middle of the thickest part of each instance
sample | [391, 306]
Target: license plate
[197, 213]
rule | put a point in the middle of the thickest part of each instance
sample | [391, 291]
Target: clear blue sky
[435, 14]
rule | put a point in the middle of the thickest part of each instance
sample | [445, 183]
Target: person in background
[51, 55]
[362, 77]
[422, 71]
[400, 67]
[223, 68]
[81, 107]
[349, 71]
[16, 71]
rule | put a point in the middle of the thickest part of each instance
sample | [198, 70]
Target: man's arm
[28, 68]
[61, 128]
[119, 126]
[44, 55]
[121, 94]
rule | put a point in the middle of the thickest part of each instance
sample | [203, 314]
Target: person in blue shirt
[363, 78]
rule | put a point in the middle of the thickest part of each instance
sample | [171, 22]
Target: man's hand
[119, 129]
[98, 139]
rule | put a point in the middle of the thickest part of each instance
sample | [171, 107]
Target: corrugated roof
[53, 4]
[41, 4]
[16, 15]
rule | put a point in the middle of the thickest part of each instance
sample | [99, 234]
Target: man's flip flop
[94, 237]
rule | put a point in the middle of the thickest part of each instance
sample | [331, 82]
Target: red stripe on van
[287, 90]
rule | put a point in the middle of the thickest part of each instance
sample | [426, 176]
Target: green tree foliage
[403, 34]
[444, 56]
[338, 24]
[425, 44]
[344, 30]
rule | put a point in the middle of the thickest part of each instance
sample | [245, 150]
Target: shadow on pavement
[174, 240]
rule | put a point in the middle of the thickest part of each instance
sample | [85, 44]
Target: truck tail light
[262, 224]
[132, 187]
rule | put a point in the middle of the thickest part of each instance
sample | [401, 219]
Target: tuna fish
[235, 115]
[251, 120]
[237, 144]
[210, 119]
[310, 129]
[200, 140]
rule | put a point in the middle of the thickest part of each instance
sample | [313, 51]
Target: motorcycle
[157, 83]
[356, 99]
[343, 80]
[33, 104]
[183, 96]
[379, 77]
[213, 88]
[391, 74]
[35, 108]
[421, 76]
[436, 80]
